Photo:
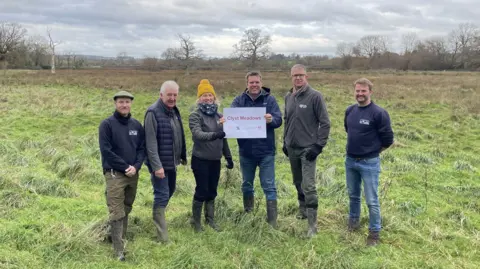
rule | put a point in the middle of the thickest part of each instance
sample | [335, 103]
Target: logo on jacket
[364, 122]
[132, 132]
[302, 106]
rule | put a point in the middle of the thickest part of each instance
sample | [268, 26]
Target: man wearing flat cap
[122, 146]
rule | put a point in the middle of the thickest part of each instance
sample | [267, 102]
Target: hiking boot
[353, 224]
[312, 222]
[160, 224]
[117, 239]
[197, 216]
[373, 238]
[210, 214]
[302, 210]
[248, 201]
[272, 213]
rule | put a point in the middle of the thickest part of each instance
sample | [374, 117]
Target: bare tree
[187, 53]
[461, 42]
[52, 45]
[149, 63]
[70, 56]
[437, 47]
[409, 42]
[169, 56]
[345, 49]
[11, 36]
[38, 46]
[371, 45]
[253, 46]
[345, 52]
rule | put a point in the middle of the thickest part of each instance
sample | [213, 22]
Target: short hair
[299, 66]
[363, 81]
[253, 74]
[168, 85]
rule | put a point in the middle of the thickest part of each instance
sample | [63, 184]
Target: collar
[303, 89]
[123, 120]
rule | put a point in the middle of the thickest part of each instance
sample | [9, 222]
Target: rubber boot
[210, 215]
[160, 224]
[197, 215]
[373, 238]
[302, 210]
[272, 213]
[353, 224]
[117, 228]
[312, 222]
[248, 201]
[125, 226]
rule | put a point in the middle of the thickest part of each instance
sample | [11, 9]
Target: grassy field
[53, 211]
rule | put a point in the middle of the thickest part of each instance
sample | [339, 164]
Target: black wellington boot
[272, 213]
[197, 215]
[210, 215]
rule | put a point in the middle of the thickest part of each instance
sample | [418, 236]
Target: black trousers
[207, 175]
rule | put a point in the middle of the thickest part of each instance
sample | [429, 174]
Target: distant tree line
[457, 50]
[18, 50]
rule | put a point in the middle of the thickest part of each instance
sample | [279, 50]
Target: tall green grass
[53, 212]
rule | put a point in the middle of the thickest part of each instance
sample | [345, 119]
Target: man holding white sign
[254, 116]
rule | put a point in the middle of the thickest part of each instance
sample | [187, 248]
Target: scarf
[208, 109]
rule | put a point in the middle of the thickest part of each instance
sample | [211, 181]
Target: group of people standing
[125, 144]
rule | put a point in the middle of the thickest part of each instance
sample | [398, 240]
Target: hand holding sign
[268, 117]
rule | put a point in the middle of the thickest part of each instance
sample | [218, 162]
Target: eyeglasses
[298, 76]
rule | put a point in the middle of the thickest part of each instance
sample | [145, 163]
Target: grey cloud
[151, 26]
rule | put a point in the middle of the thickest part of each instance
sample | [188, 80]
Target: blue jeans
[267, 175]
[163, 188]
[367, 170]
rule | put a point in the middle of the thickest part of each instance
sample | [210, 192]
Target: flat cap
[122, 94]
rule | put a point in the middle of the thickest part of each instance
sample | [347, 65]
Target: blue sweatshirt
[368, 130]
[122, 143]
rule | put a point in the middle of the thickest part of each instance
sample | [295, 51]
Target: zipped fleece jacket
[260, 147]
[203, 128]
[306, 119]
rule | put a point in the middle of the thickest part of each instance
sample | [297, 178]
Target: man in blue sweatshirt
[259, 151]
[122, 148]
[369, 132]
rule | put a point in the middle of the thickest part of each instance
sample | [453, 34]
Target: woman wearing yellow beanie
[209, 144]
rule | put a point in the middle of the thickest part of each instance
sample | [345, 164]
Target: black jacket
[122, 143]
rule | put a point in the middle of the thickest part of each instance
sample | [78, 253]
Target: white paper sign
[245, 122]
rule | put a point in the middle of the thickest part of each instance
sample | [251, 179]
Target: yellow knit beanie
[205, 87]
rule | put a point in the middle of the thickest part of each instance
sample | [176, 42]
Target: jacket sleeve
[183, 155]
[106, 148]
[285, 119]
[140, 149]
[195, 124]
[150, 125]
[384, 129]
[323, 119]
[274, 110]
[347, 111]
[226, 149]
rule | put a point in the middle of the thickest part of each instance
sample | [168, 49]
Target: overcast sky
[148, 27]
